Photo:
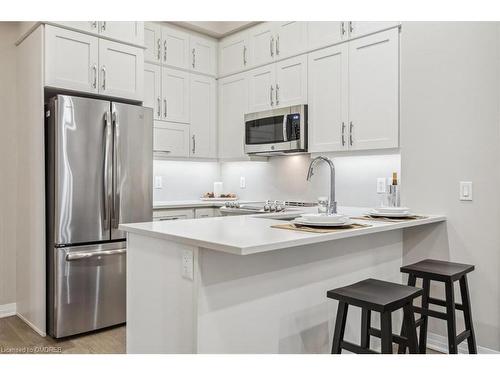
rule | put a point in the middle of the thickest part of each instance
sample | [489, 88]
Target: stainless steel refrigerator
[99, 174]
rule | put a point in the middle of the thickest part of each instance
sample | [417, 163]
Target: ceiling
[216, 29]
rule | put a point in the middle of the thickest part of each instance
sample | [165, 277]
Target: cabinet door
[360, 28]
[328, 99]
[175, 47]
[325, 33]
[152, 89]
[374, 91]
[262, 89]
[175, 91]
[203, 116]
[262, 43]
[200, 213]
[152, 42]
[291, 38]
[291, 81]
[176, 214]
[87, 26]
[233, 53]
[71, 60]
[124, 31]
[171, 139]
[233, 104]
[203, 55]
[121, 70]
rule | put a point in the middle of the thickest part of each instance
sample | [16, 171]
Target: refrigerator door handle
[106, 171]
[115, 217]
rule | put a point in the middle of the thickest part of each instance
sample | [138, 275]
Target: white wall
[8, 163]
[450, 133]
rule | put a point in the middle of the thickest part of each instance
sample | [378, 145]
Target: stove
[269, 206]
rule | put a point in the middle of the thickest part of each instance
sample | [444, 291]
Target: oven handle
[86, 255]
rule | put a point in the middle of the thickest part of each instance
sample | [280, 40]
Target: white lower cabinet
[203, 116]
[233, 104]
[200, 213]
[173, 214]
[170, 139]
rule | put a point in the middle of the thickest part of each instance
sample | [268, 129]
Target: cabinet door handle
[277, 94]
[159, 49]
[164, 50]
[165, 108]
[194, 143]
[194, 57]
[271, 95]
[93, 24]
[159, 107]
[351, 126]
[342, 28]
[103, 26]
[103, 69]
[277, 45]
[343, 129]
[351, 27]
[244, 55]
[271, 46]
[94, 69]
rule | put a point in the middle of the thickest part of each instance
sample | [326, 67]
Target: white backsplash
[279, 178]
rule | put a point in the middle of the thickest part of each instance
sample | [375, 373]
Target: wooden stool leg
[412, 281]
[386, 332]
[464, 291]
[338, 335]
[451, 320]
[365, 328]
[410, 328]
[426, 286]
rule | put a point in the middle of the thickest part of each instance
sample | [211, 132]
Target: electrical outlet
[381, 185]
[243, 183]
[465, 190]
[158, 183]
[187, 264]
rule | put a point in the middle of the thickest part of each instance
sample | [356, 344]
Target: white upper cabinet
[125, 31]
[203, 57]
[121, 70]
[203, 116]
[233, 53]
[152, 89]
[262, 91]
[171, 139]
[290, 38]
[291, 81]
[374, 91]
[87, 26]
[261, 43]
[325, 33]
[233, 104]
[152, 42]
[175, 47]
[328, 99]
[71, 60]
[175, 92]
[360, 28]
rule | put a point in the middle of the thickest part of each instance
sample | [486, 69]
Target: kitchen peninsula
[234, 284]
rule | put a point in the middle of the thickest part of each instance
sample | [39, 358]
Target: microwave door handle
[115, 218]
[285, 135]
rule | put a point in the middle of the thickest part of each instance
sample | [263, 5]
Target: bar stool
[380, 296]
[437, 270]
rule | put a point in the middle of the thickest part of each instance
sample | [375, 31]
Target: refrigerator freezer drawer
[88, 288]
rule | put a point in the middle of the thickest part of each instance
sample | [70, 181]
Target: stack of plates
[323, 220]
[390, 212]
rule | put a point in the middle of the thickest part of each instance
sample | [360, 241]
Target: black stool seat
[438, 270]
[382, 297]
[376, 295]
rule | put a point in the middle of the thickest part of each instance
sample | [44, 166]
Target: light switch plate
[158, 183]
[187, 264]
[465, 190]
[381, 185]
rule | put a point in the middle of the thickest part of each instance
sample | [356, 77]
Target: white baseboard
[8, 309]
[32, 326]
[440, 344]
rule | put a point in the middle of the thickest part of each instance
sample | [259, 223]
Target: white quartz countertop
[250, 234]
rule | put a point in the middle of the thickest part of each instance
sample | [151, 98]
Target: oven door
[266, 131]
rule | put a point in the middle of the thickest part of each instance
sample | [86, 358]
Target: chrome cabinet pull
[159, 48]
[94, 69]
[351, 27]
[194, 143]
[103, 69]
[342, 28]
[271, 95]
[164, 50]
[165, 108]
[194, 57]
[271, 46]
[343, 129]
[277, 45]
[103, 26]
[159, 107]
[277, 94]
[93, 24]
[351, 126]
[244, 55]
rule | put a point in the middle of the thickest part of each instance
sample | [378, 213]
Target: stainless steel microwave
[277, 131]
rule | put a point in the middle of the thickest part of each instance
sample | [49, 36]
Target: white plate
[218, 199]
[318, 224]
[322, 218]
[391, 209]
[388, 214]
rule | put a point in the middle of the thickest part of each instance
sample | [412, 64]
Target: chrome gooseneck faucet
[332, 204]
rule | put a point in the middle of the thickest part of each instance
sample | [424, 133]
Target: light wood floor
[17, 337]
